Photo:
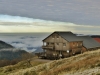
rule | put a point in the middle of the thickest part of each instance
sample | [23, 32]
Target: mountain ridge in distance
[9, 52]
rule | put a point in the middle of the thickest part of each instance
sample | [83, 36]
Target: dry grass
[79, 62]
[98, 74]
[21, 65]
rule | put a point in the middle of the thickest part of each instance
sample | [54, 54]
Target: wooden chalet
[65, 44]
[61, 44]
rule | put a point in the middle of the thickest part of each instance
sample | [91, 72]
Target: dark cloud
[75, 11]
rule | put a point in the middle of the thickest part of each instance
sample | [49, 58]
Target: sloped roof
[97, 39]
[69, 36]
[89, 42]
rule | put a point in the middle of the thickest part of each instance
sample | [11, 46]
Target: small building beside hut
[96, 37]
[89, 43]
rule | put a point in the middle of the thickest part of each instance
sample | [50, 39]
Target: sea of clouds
[25, 41]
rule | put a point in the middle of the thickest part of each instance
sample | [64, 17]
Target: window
[73, 44]
[47, 43]
[44, 43]
[77, 45]
[67, 51]
[52, 43]
[53, 36]
[45, 50]
[57, 43]
[64, 44]
[57, 36]
[81, 44]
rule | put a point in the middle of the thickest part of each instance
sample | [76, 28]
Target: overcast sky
[81, 16]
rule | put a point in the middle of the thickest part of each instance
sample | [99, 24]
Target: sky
[78, 16]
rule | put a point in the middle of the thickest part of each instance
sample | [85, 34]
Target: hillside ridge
[67, 66]
[5, 45]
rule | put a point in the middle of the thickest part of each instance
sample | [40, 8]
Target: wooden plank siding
[58, 42]
[83, 49]
[75, 44]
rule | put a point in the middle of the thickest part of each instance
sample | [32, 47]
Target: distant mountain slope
[11, 54]
[7, 51]
[5, 45]
[87, 63]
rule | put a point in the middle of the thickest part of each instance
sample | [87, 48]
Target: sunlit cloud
[24, 24]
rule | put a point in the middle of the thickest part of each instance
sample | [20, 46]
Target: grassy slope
[21, 65]
[79, 64]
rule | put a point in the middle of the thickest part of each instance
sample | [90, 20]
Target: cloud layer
[85, 12]
[25, 41]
